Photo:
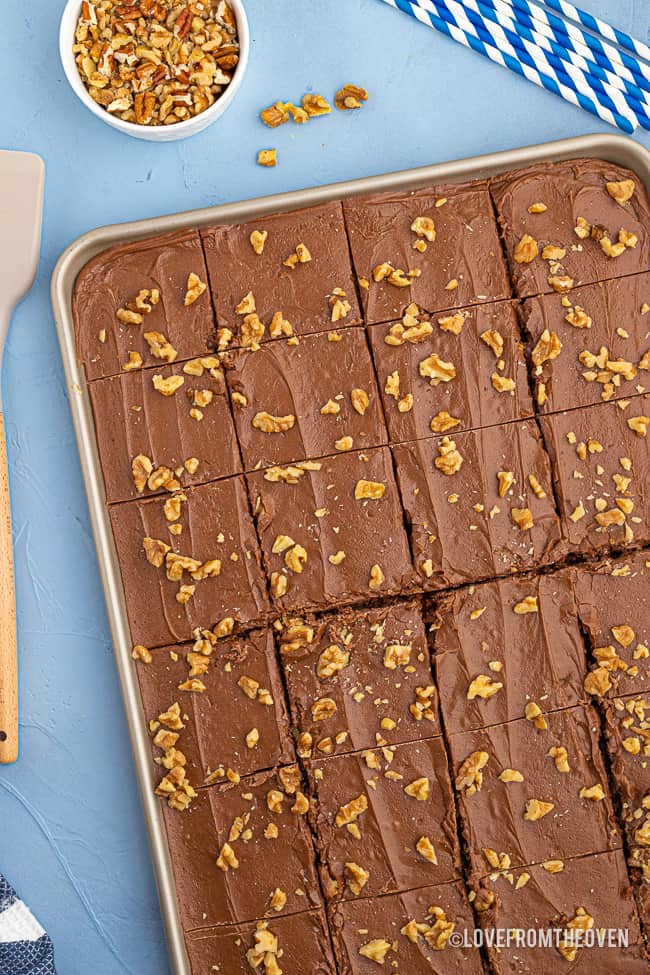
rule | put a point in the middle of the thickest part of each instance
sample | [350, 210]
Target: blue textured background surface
[72, 839]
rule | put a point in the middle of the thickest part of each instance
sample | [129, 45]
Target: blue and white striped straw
[551, 82]
[597, 26]
[469, 14]
[566, 33]
[542, 35]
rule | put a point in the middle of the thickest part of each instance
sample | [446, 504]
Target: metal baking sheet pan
[612, 148]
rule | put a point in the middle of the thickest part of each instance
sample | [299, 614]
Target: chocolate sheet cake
[377, 475]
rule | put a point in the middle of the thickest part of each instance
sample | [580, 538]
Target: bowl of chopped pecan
[159, 70]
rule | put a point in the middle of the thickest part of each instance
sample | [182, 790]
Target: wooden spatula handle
[8, 648]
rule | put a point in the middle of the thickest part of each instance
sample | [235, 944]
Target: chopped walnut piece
[377, 577]
[278, 899]
[560, 756]
[360, 400]
[553, 866]
[337, 558]
[376, 950]
[423, 706]
[339, 304]
[503, 384]
[578, 317]
[364, 490]
[295, 558]
[397, 655]
[453, 323]
[315, 105]
[553, 253]
[442, 422]
[195, 288]
[267, 157]
[526, 250]
[449, 460]
[537, 809]
[160, 347]
[141, 468]
[246, 305]
[548, 347]
[273, 424]
[356, 877]
[141, 653]
[424, 227]
[155, 551]
[623, 634]
[621, 191]
[511, 775]
[523, 518]
[494, 340]
[470, 776]
[506, 480]
[350, 97]
[418, 789]
[561, 283]
[533, 713]
[484, 687]
[639, 424]
[581, 922]
[275, 115]
[436, 370]
[168, 385]
[537, 208]
[134, 362]
[258, 239]
[426, 849]
[610, 249]
[331, 661]
[597, 682]
[595, 792]
[344, 443]
[527, 605]
[323, 709]
[301, 805]
[350, 812]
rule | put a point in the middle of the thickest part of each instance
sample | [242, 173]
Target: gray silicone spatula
[22, 176]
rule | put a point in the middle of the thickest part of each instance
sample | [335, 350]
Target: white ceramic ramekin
[152, 133]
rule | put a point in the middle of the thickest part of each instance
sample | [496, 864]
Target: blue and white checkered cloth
[25, 949]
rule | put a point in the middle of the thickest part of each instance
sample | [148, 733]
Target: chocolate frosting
[610, 448]
[311, 382]
[492, 818]
[302, 294]
[461, 540]
[303, 946]
[208, 895]
[218, 718]
[618, 325]
[211, 511]
[522, 633]
[114, 279]
[470, 398]
[133, 418]
[321, 513]
[570, 190]
[466, 249]
[614, 606]
[355, 924]
[375, 691]
[598, 884]
[393, 821]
